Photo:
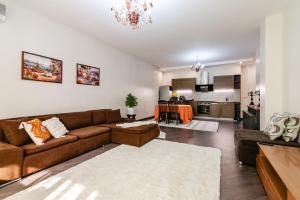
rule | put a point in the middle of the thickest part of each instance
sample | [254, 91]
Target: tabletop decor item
[41, 68]
[87, 75]
[251, 94]
[131, 102]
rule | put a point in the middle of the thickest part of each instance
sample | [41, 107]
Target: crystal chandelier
[197, 66]
[133, 12]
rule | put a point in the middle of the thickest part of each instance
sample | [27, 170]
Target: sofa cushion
[52, 143]
[99, 116]
[14, 135]
[89, 131]
[76, 120]
[138, 129]
[113, 116]
[56, 127]
[110, 126]
[38, 133]
[2, 136]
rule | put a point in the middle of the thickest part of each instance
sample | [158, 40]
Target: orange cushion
[37, 132]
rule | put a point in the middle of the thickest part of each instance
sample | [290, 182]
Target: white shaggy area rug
[198, 125]
[162, 135]
[160, 170]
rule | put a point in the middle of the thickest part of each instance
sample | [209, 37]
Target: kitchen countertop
[219, 101]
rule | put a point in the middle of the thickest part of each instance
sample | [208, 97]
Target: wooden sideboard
[279, 170]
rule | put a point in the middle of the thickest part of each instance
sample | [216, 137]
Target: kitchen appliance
[165, 93]
[203, 108]
[204, 88]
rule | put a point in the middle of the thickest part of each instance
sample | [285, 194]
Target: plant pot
[130, 111]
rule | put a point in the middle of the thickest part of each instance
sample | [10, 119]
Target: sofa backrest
[14, 125]
[71, 120]
[76, 120]
[99, 116]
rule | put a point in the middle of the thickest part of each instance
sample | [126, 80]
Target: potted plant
[131, 102]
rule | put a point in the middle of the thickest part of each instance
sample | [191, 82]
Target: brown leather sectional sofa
[88, 130]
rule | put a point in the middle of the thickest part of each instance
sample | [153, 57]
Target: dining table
[185, 112]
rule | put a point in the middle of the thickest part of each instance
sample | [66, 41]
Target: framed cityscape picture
[41, 68]
[87, 75]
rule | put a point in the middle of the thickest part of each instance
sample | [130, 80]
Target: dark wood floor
[237, 182]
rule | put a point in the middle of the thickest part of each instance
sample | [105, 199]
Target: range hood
[204, 82]
[204, 77]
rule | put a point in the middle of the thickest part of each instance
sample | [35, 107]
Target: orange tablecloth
[185, 112]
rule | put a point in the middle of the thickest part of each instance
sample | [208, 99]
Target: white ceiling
[216, 30]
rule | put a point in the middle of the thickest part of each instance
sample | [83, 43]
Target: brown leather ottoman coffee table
[135, 136]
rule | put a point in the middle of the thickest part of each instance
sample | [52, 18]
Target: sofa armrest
[11, 162]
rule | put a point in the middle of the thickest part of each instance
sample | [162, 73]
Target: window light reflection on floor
[34, 178]
[73, 192]
[59, 190]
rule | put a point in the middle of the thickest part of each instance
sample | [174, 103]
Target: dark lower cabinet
[237, 112]
[251, 118]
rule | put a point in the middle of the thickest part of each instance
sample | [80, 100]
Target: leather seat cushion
[89, 131]
[111, 126]
[138, 130]
[52, 143]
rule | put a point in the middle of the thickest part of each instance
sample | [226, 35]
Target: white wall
[271, 67]
[120, 72]
[292, 58]
[188, 73]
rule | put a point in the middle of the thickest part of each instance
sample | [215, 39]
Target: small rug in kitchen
[198, 125]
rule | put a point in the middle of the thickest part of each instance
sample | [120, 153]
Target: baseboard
[147, 118]
[8, 183]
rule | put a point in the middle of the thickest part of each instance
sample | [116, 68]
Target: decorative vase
[130, 111]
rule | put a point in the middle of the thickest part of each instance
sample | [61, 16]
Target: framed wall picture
[41, 68]
[87, 75]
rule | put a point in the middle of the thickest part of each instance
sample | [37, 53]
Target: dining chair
[173, 113]
[164, 112]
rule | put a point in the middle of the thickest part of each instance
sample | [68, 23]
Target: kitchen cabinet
[194, 105]
[184, 84]
[237, 81]
[227, 110]
[215, 110]
[223, 82]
